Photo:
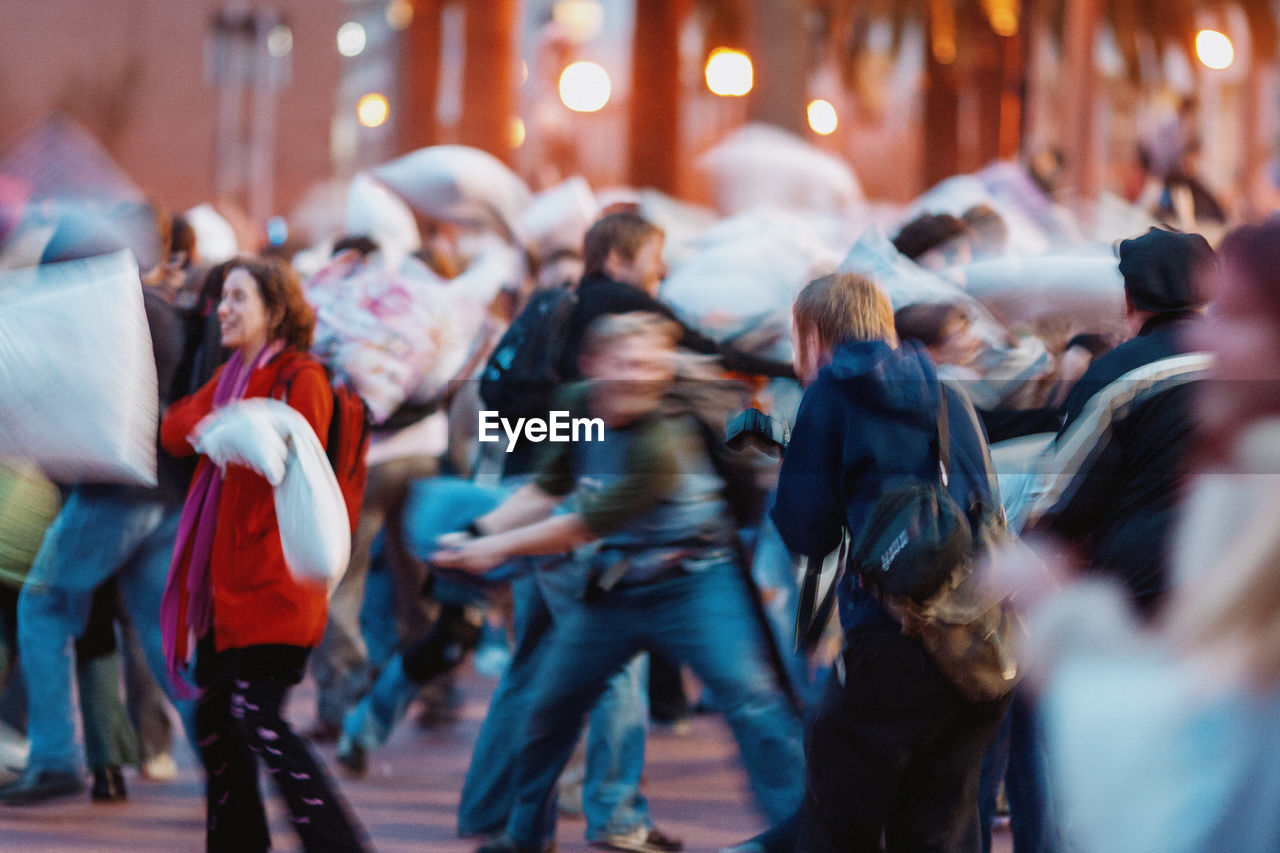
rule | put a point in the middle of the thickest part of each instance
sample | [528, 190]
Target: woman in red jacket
[252, 621]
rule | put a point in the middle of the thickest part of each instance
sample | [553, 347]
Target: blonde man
[894, 749]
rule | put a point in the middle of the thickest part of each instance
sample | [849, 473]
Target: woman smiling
[253, 622]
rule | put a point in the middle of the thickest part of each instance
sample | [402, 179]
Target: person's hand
[474, 555]
[453, 541]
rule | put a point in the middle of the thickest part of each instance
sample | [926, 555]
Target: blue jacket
[868, 419]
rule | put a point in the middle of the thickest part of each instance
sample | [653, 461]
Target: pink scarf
[187, 607]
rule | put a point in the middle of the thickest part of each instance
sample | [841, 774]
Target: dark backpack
[919, 551]
[347, 443]
[521, 375]
[915, 533]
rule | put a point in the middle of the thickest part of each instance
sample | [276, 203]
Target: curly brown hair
[281, 293]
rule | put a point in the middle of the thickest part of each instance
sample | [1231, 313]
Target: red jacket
[256, 599]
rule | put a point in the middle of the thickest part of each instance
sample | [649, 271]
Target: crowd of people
[1142, 560]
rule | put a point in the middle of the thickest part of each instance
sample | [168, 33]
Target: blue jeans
[704, 619]
[611, 798]
[1017, 756]
[93, 538]
[615, 751]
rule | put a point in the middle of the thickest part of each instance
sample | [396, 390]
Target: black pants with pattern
[238, 724]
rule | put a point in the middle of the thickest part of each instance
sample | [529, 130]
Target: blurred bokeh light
[399, 14]
[822, 117]
[373, 109]
[351, 39]
[585, 87]
[280, 40]
[1214, 49]
[581, 19]
[729, 72]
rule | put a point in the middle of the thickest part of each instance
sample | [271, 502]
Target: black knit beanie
[1161, 270]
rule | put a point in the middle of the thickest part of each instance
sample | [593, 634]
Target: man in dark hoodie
[1120, 457]
[894, 749]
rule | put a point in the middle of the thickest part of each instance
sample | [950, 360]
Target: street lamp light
[729, 72]
[585, 87]
[351, 39]
[372, 110]
[1214, 49]
[822, 117]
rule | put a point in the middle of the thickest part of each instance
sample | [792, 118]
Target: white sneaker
[160, 768]
[642, 839]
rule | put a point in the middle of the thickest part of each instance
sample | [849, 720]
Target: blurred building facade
[260, 102]
[195, 100]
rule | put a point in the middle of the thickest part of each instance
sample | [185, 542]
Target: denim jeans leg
[586, 649]
[611, 797]
[489, 789]
[85, 545]
[1035, 828]
[708, 622]
[142, 584]
[372, 719]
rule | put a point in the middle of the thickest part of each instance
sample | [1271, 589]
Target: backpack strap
[989, 468]
[944, 437]
[284, 381]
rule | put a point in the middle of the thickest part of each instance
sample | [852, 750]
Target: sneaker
[352, 756]
[642, 839]
[569, 797]
[108, 786]
[160, 768]
[502, 843]
[38, 786]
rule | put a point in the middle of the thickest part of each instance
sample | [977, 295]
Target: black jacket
[1120, 503]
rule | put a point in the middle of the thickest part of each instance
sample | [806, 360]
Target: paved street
[694, 784]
